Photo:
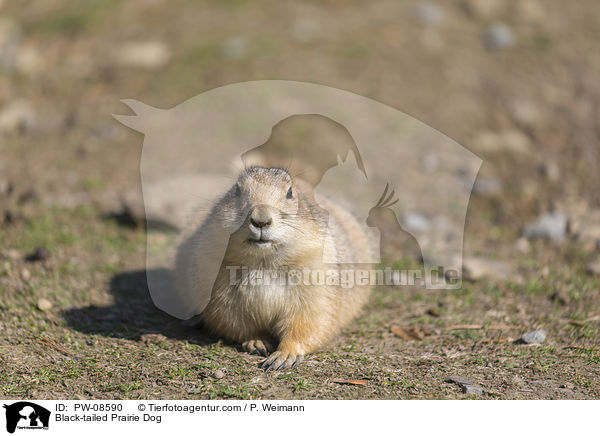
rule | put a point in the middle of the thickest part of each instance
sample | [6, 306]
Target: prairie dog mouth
[260, 243]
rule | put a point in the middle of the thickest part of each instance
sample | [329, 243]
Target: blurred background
[515, 81]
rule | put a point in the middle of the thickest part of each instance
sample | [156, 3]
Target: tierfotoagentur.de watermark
[243, 276]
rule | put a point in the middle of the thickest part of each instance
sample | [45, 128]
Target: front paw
[258, 346]
[281, 360]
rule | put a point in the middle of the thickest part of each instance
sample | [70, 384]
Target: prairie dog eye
[237, 190]
[290, 193]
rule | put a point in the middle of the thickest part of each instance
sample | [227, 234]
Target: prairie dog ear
[144, 115]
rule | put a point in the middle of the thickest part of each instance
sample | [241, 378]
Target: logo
[26, 415]
[345, 147]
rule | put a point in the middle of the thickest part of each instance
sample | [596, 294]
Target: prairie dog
[274, 227]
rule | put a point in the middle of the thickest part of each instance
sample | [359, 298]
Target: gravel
[552, 226]
[44, 304]
[534, 337]
[499, 36]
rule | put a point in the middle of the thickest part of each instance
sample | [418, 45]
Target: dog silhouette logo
[26, 415]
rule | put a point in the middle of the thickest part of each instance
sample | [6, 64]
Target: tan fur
[299, 318]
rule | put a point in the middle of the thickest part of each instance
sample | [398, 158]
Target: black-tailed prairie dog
[276, 229]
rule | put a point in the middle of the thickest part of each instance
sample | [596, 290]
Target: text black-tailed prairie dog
[283, 229]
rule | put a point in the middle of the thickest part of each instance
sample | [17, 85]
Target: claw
[270, 367]
[299, 360]
[278, 361]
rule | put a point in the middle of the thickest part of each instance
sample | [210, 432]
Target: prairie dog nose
[261, 217]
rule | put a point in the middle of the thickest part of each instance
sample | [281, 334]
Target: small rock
[552, 226]
[25, 274]
[17, 116]
[28, 60]
[44, 304]
[10, 253]
[150, 55]
[567, 385]
[523, 245]
[482, 8]
[413, 221]
[499, 36]
[585, 225]
[472, 390]
[38, 255]
[594, 267]
[304, 29]
[534, 337]
[510, 140]
[10, 39]
[218, 374]
[487, 186]
[6, 187]
[551, 171]
[476, 268]
[235, 48]
[524, 112]
[429, 14]
[468, 387]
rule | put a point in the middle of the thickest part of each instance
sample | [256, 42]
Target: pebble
[476, 268]
[525, 112]
[44, 304]
[10, 39]
[29, 60]
[17, 115]
[499, 36]
[551, 171]
[468, 387]
[594, 267]
[413, 221]
[235, 48]
[305, 29]
[472, 390]
[39, 254]
[487, 186]
[149, 55]
[429, 14]
[25, 274]
[534, 337]
[11, 254]
[552, 226]
[218, 374]
[585, 225]
[510, 140]
[523, 245]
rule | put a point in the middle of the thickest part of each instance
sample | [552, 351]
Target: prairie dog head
[269, 214]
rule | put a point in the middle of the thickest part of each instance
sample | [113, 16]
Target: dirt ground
[76, 319]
